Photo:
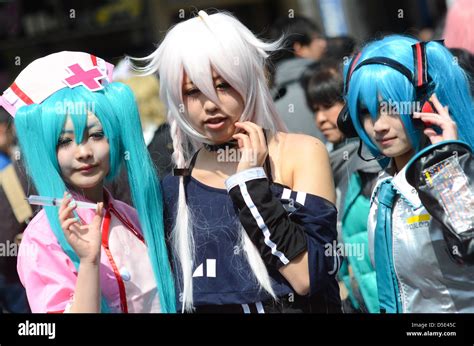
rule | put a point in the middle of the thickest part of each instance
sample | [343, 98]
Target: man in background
[303, 45]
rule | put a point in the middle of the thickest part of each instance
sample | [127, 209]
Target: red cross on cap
[88, 78]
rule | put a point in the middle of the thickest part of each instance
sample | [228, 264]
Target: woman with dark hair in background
[354, 180]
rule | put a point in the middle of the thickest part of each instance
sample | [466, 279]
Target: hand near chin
[442, 119]
[252, 145]
[84, 239]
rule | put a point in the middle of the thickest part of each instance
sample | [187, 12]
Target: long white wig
[196, 46]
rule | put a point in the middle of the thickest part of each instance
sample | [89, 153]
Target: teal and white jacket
[428, 279]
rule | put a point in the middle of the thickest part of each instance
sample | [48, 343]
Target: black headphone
[420, 79]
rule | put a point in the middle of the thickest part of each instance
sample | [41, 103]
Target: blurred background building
[112, 28]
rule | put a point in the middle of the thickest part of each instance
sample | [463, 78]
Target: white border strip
[301, 197]
[286, 194]
[246, 308]
[260, 307]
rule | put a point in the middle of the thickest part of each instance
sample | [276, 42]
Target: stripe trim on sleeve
[261, 224]
[244, 176]
[246, 308]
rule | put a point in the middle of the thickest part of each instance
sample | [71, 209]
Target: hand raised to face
[252, 145]
[442, 119]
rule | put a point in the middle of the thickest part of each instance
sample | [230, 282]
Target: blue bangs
[77, 103]
[39, 128]
[375, 86]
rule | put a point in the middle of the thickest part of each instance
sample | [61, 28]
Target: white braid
[182, 236]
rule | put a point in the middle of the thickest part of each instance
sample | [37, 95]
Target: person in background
[340, 47]
[15, 213]
[458, 31]
[465, 60]
[354, 180]
[303, 44]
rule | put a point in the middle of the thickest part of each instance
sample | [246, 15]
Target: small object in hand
[52, 201]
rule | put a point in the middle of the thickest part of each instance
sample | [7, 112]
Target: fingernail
[77, 219]
[72, 204]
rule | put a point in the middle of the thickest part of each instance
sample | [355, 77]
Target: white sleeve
[371, 222]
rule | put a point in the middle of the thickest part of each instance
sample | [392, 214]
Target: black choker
[223, 146]
[209, 147]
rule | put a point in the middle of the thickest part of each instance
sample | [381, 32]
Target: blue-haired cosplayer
[422, 208]
[76, 130]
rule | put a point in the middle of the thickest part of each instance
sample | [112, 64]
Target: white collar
[407, 191]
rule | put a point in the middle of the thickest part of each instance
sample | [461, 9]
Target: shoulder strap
[267, 166]
[193, 161]
[186, 171]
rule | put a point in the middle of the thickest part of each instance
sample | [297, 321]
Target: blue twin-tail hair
[39, 127]
[372, 84]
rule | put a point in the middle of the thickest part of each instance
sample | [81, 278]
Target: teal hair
[372, 84]
[39, 128]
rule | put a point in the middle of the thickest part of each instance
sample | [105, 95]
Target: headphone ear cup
[428, 107]
[344, 123]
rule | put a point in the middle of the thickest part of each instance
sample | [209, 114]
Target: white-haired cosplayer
[244, 238]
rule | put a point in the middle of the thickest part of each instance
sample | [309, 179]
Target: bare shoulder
[306, 160]
[296, 147]
[298, 142]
